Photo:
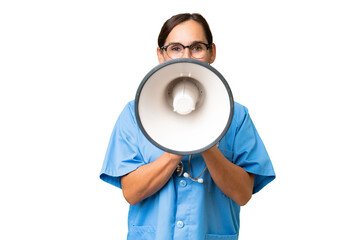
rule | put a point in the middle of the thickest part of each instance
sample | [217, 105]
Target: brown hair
[180, 18]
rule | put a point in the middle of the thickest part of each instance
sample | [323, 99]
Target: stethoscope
[180, 169]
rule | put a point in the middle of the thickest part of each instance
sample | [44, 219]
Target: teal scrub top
[184, 209]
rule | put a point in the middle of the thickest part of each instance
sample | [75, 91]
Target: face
[187, 33]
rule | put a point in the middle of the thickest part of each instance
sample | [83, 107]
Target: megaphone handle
[179, 169]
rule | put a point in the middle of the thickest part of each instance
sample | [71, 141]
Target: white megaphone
[184, 106]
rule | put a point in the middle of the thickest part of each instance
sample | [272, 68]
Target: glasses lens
[175, 50]
[198, 50]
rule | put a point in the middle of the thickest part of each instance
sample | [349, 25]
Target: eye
[175, 48]
[197, 47]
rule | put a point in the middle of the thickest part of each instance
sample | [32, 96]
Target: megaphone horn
[184, 106]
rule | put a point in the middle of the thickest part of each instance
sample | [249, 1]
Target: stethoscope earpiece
[199, 180]
[187, 175]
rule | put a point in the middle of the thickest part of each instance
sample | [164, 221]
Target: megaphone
[184, 106]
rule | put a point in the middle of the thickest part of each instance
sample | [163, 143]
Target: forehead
[186, 33]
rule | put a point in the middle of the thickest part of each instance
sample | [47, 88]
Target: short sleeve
[122, 155]
[250, 152]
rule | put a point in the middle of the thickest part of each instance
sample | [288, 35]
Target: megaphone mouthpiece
[185, 97]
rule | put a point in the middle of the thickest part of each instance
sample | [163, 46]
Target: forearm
[149, 178]
[233, 180]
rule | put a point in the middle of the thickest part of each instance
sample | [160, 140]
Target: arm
[233, 180]
[149, 178]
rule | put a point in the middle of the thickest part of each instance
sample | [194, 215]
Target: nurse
[164, 205]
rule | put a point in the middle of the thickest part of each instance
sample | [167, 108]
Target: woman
[165, 205]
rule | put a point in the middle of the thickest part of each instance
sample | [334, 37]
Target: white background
[67, 68]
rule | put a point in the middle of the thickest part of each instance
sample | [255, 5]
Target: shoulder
[240, 108]
[128, 112]
[130, 108]
[127, 117]
[240, 113]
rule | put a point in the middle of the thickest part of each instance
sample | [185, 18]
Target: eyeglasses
[176, 50]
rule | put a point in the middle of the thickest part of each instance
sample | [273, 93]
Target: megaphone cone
[184, 106]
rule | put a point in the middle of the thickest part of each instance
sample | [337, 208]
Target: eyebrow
[184, 44]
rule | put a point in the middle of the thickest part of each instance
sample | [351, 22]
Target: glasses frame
[208, 46]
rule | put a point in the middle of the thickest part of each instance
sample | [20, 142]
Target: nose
[187, 53]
